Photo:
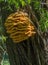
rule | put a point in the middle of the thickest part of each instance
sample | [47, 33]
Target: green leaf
[29, 1]
[10, 1]
[16, 3]
[46, 23]
[36, 5]
[3, 38]
[5, 62]
[22, 2]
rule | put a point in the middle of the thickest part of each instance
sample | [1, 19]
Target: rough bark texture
[28, 52]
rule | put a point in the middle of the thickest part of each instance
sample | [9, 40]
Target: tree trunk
[28, 52]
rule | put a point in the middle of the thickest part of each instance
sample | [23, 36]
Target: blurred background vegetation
[40, 9]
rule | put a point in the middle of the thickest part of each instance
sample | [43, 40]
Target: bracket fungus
[19, 27]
